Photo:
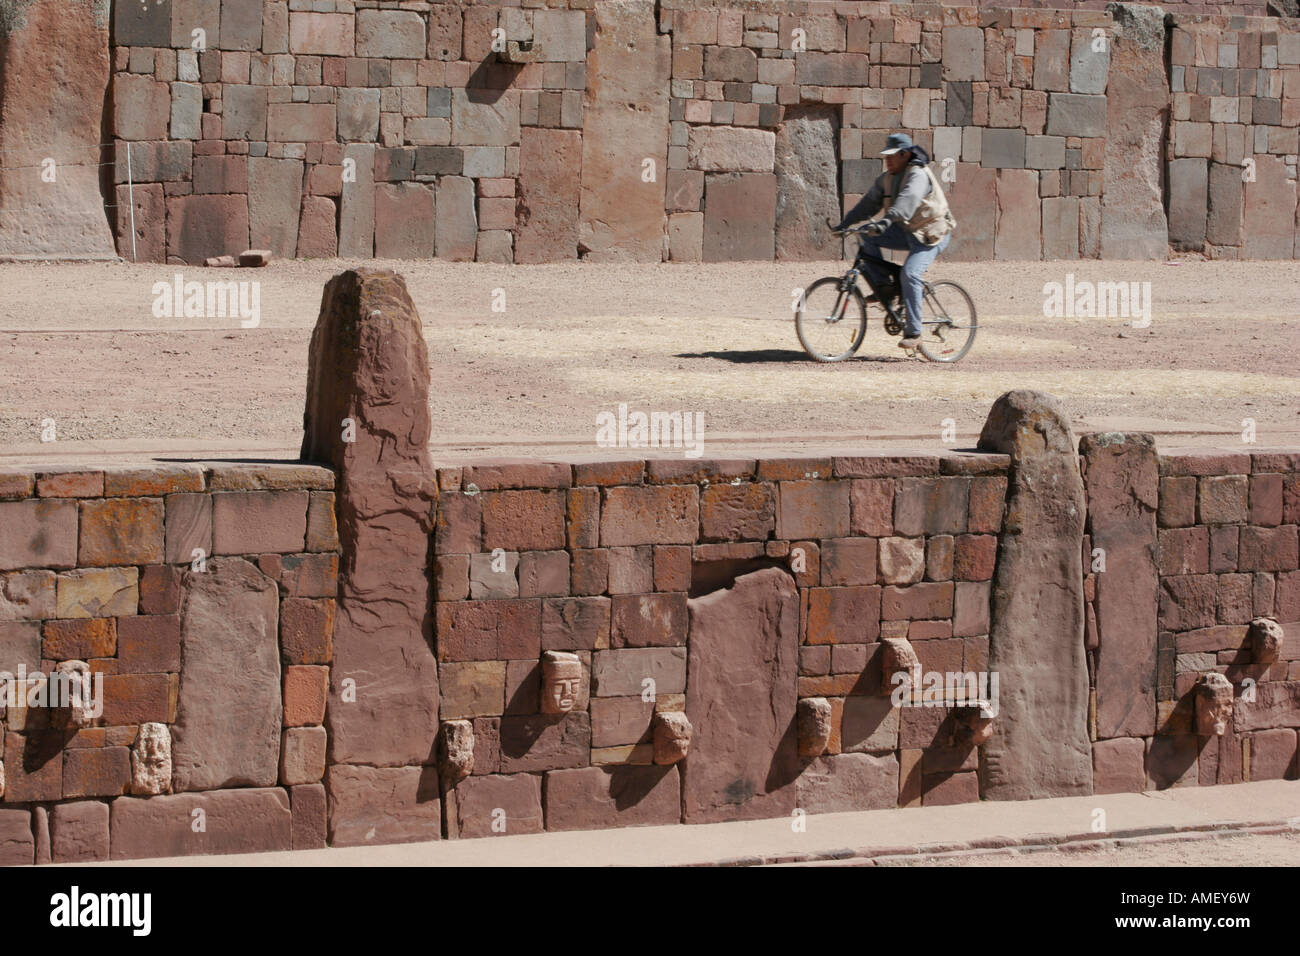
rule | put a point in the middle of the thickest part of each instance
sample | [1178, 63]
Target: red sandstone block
[1191, 461]
[583, 517]
[729, 551]
[525, 473]
[257, 522]
[605, 473]
[942, 655]
[813, 509]
[1266, 500]
[917, 602]
[1184, 551]
[648, 620]
[139, 698]
[489, 630]
[244, 820]
[848, 561]
[1277, 461]
[691, 471]
[849, 615]
[885, 465]
[620, 721]
[96, 772]
[737, 512]
[1187, 602]
[16, 484]
[1224, 548]
[666, 514]
[809, 555]
[309, 818]
[987, 503]
[815, 659]
[1268, 549]
[79, 639]
[945, 789]
[149, 644]
[79, 832]
[309, 575]
[1291, 499]
[1118, 765]
[76, 484]
[930, 505]
[33, 766]
[121, 531]
[596, 797]
[153, 481]
[1273, 755]
[589, 571]
[932, 631]
[793, 469]
[459, 524]
[872, 503]
[631, 570]
[1222, 499]
[451, 577]
[322, 522]
[305, 690]
[672, 568]
[1177, 508]
[307, 630]
[543, 573]
[970, 463]
[975, 557]
[524, 520]
[575, 624]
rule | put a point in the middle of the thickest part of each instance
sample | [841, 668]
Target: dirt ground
[79, 344]
[1282, 849]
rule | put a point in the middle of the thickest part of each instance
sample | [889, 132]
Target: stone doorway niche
[807, 182]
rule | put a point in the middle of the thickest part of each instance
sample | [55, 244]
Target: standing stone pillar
[54, 71]
[1040, 744]
[1133, 223]
[1123, 480]
[367, 417]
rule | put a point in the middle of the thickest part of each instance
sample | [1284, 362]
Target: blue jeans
[918, 260]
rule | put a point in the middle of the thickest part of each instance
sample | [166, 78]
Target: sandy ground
[1281, 849]
[79, 344]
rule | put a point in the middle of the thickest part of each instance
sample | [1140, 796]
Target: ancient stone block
[322, 34]
[274, 197]
[79, 832]
[404, 221]
[356, 229]
[456, 233]
[390, 34]
[1269, 224]
[597, 797]
[545, 742]
[1018, 229]
[497, 803]
[259, 522]
[731, 149]
[38, 534]
[550, 163]
[99, 592]
[1118, 765]
[622, 217]
[373, 805]
[199, 227]
[1038, 609]
[236, 821]
[849, 782]
[963, 53]
[730, 781]
[1188, 202]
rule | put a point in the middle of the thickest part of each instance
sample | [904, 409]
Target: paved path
[1267, 806]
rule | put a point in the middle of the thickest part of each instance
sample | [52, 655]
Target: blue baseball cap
[896, 143]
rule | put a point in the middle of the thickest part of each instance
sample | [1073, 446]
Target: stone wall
[382, 129]
[205, 599]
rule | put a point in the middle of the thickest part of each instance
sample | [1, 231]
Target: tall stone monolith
[1039, 746]
[54, 73]
[367, 417]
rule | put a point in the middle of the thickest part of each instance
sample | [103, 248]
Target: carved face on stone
[72, 690]
[151, 760]
[562, 681]
[457, 751]
[672, 731]
[1213, 705]
[1266, 638]
[813, 720]
[973, 727]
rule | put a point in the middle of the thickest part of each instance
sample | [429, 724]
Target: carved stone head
[813, 721]
[562, 682]
[1213, 704]
[672, 731]
[1266, 638]
[898, 657]
[456, 752]
[71, 693]
[151, 760]
[973, 726]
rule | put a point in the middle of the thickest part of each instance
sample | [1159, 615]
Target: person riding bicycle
[915, 217]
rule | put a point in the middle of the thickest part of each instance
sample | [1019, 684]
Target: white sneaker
[910, 343]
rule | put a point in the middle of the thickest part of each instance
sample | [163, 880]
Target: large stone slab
[1040, 744]
[1270, 211]
[368, 363]
[1123, 483]
[227, 730]
[587, 798]
[1019, 234]
[404, 221]
[807, 191]
[973, 199]
[1133, 223]
[357, 212]
[456, 233]
[550, 176]
[845, 782]
[234, 821]
[1188, 203]
[740, 698]
[55, 75]
[372, 805]
[625, 122]
[274, 199]
[739, 216]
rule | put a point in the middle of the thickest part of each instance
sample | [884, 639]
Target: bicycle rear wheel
[949, 329]
[831, 321]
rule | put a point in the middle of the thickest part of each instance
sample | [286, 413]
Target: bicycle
[822, 328]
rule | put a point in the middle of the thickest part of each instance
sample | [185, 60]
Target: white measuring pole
[130, 198]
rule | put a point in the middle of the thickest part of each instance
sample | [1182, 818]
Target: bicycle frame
[859, 270]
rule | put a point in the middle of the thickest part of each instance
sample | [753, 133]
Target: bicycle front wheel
[831, 320]
[948, 331]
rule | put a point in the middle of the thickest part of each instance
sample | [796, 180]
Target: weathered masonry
[372, 647]
[635, 130]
